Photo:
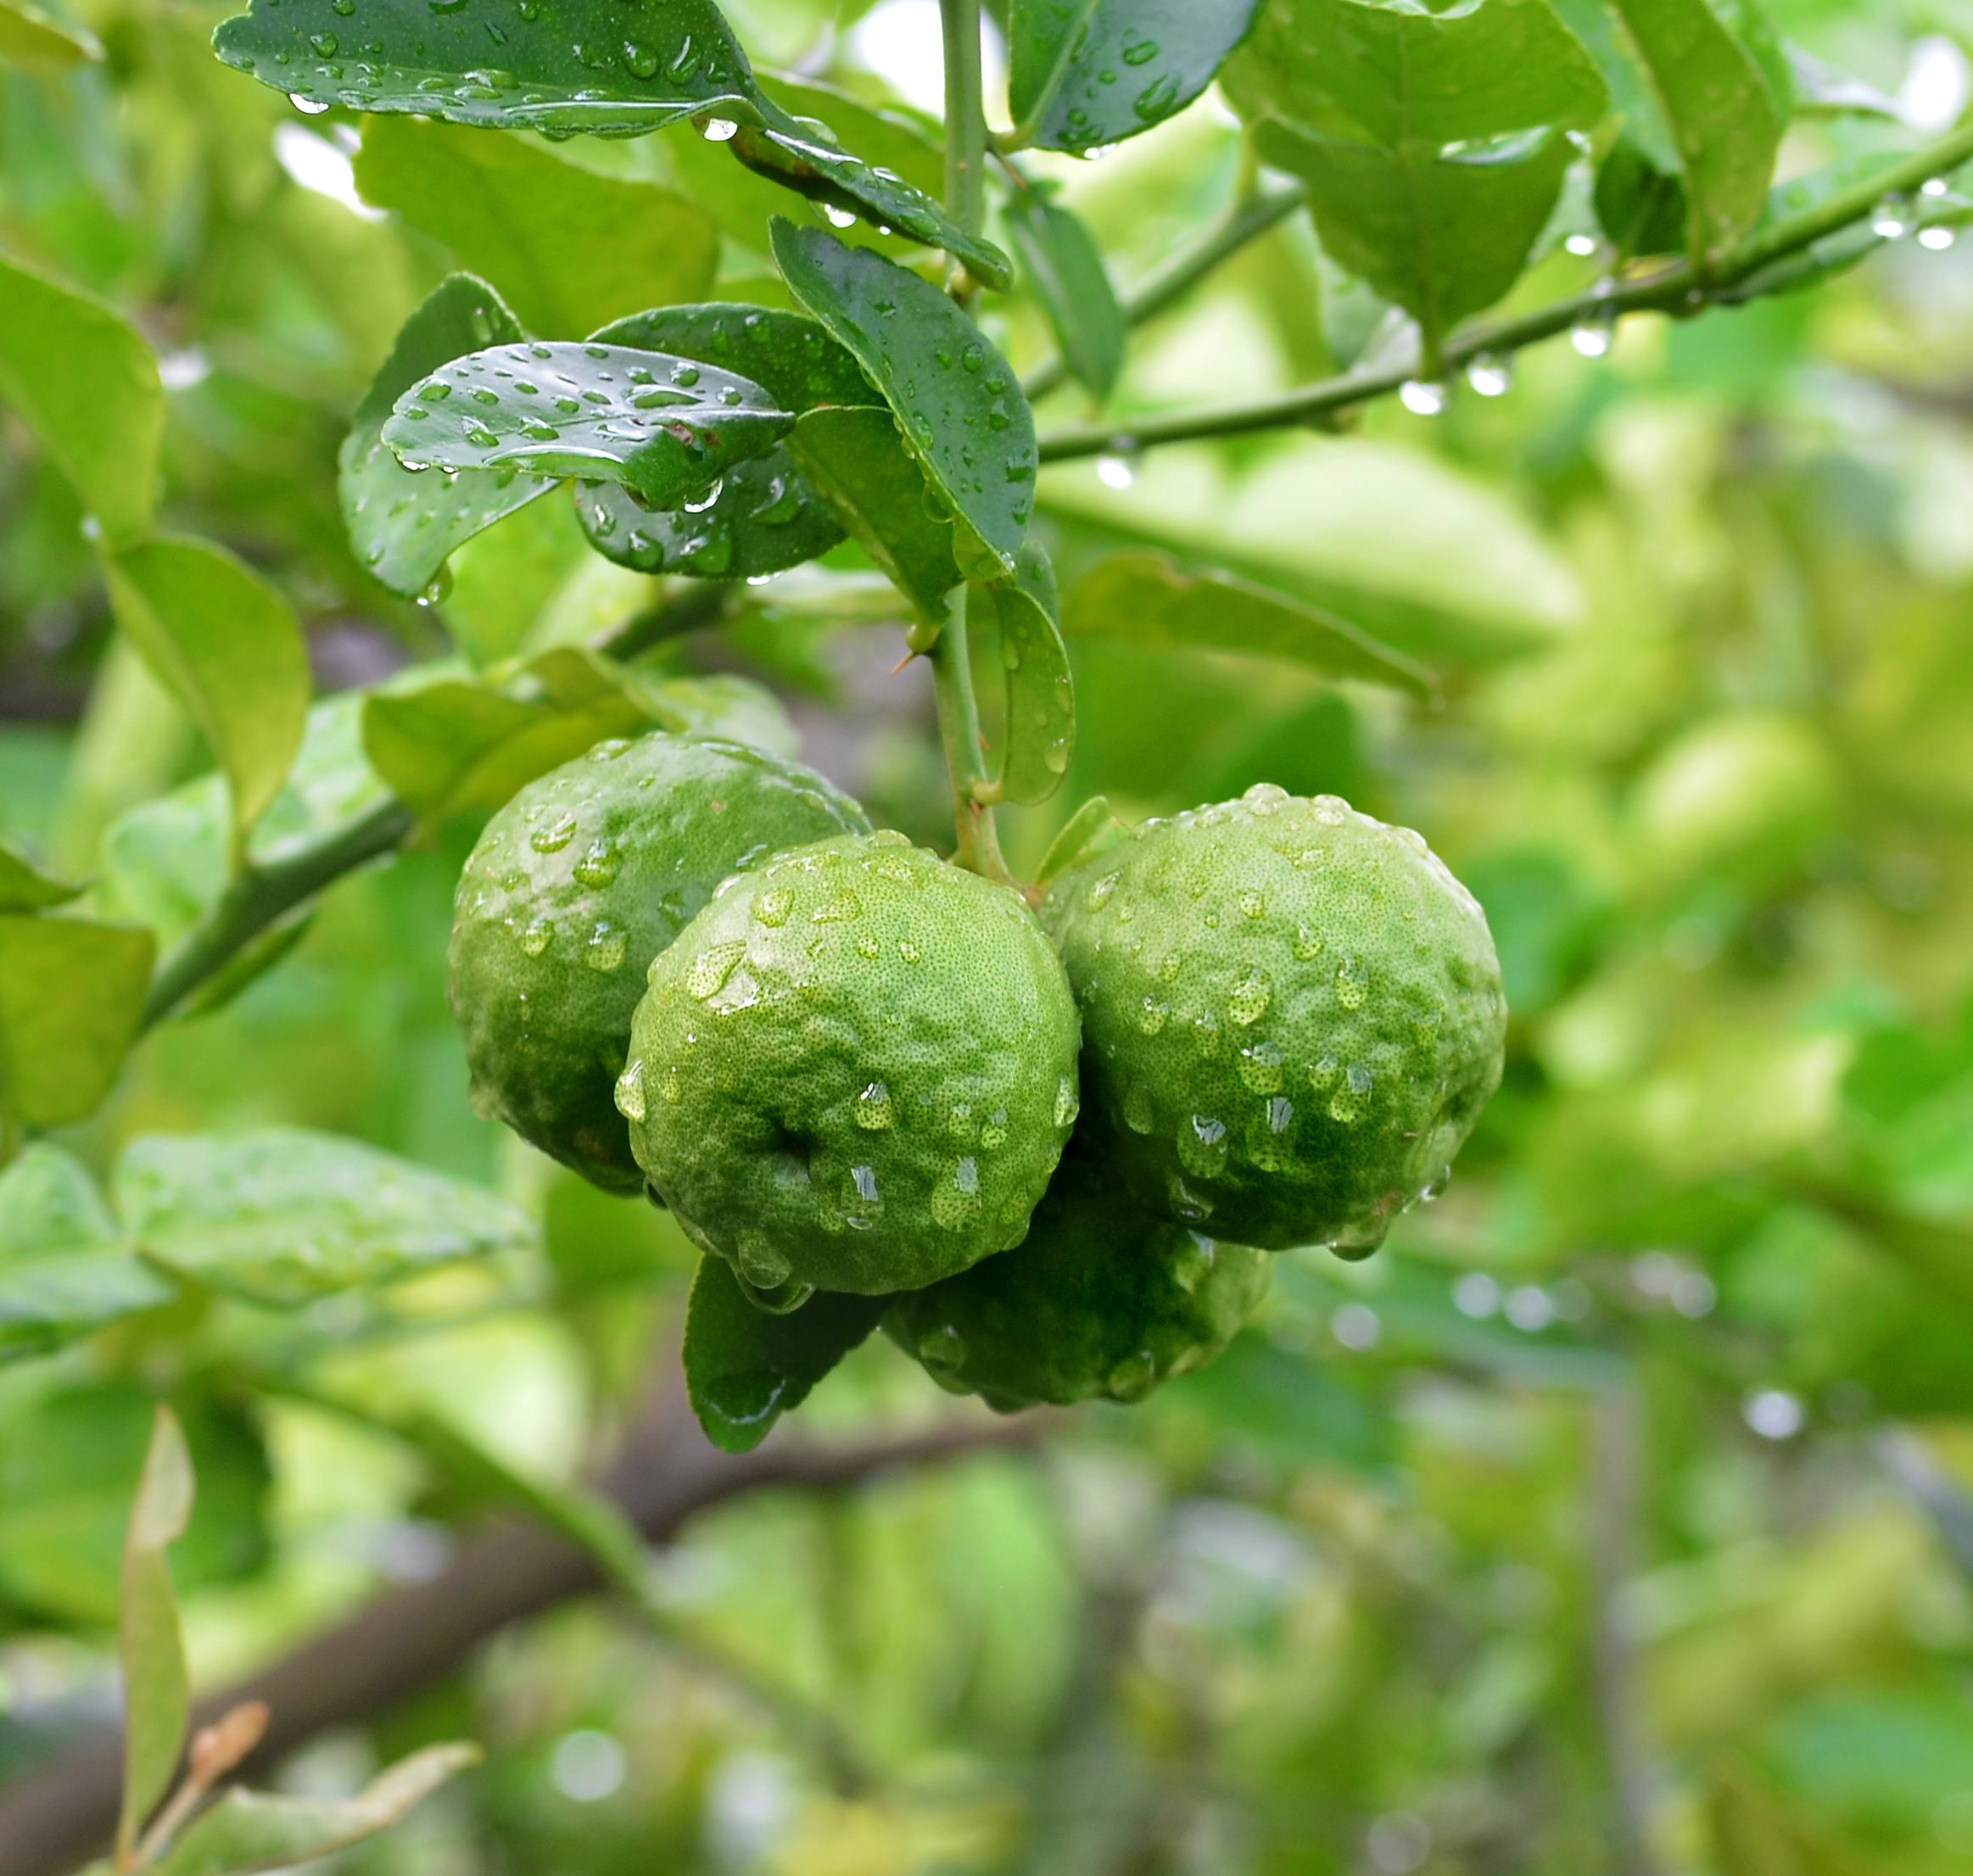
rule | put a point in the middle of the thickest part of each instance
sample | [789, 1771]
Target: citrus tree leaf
[857, 460]
[568, 249]
[24, 887]
[1061, 263]
[65, 1269]
[958, 404]
[1144, 598]
[86, 384]
[156, 1691]
[404, 526]
[228, 647]
[665, 427]
[576, 65]
[907, 145]
[252, 1830]
[1039, 733]
[1087, 72]
[762, 517]
[745, 1368]
[1633, 106]
[1092, 830]
[282, 1215]
[71, 996]
[37, 42]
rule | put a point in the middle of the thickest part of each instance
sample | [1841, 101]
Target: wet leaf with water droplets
[1039, 736]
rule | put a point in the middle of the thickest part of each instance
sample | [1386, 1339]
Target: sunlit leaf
[156, 1690]
[24, 887]
[71, 995]
[1039, 728]
[745, 1368]
[956, 400]
[567, 248]
[1061, 263]
[1089, 72]
[282, 1215]
[37, 42]
[86, 384]
[227, 646]
[665, 427]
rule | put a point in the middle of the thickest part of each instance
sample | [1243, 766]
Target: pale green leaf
[156, 1692]
[71, 996]
[36, 42]
[24, 887]
[1038, 732]
[228, 647]
[86, 385]
[282, 1215]
[1093, 828]
[1062, 264]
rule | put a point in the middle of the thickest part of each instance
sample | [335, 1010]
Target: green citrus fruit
[577, 883]
[1101, 1301]
[855, 1071]
[1292, 1016]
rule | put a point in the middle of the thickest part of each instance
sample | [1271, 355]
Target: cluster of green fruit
[854, 1068]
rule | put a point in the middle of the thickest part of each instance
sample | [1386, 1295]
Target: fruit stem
[958, 729]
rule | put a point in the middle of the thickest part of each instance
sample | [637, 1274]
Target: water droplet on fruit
[1067, 1104]
[872, 1110]
[993, 1134]
[1435, 1187]
[839, 911]
[1307, 944]
[1253, 904]
[539, 935]
[955, 1202]
[1248, 1000]
[942, 1351]
[710, 970]
[1260, 1067]
[1352, 983]
[1140, 1109]
[1151, 1015]
[761, 1263]
[1280, 1115]
[630, 1091]
[908, 951]
[600, 864]
[1134, 1377]
[1202, 1146]
[555, 836]
[1098, 896]
[606, 946]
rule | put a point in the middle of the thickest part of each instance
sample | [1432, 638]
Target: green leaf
[1039, 732]
[1633, 104]
[282, 1215]
[857, 460]
[958, 404]
[1144, 599]
[1640, 208]
[802, 153]
[404, 526]
[37, 42]
[228, 646]
[665, 427]
[86, 385]
[576, 65]
[1088, 72]
[1092, 830]
[65, 1269]
[905, 144]
[745, 1368]
[764, 517]
[71, 996]
[1720, 110]
[24, 887]
[156, 1690]
[252, 1830]
[1061, 263]
[568, 249]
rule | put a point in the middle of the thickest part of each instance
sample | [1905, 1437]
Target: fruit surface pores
[576, 885]
[855, 1071]
[1101, 1301]
[1291, 1016]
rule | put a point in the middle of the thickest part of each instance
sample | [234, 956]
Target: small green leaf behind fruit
[71, 996]
[156, 1689]
[1039, 732]
[24, 887]
[745, 1368]
[1093, 828]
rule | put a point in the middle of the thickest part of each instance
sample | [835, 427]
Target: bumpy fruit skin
[576, 883]
[1102, 1301]
[855, 1071]
[1291, 1016]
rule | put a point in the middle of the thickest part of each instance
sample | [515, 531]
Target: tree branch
[409, 1638]
[1679, 288]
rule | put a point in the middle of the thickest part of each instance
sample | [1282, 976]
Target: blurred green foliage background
[1613, 1518]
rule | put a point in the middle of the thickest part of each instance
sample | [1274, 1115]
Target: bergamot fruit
[576, 883]
[1101, 1302]
[1292, 1016]
[855, 1071]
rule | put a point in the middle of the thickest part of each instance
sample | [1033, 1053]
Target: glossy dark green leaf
[958, 405]
[745, 1368]
[1640, 208]
[86, 384]
[230, 649]
[65, 1269]
[403, 526]
[665, 427]
[764, 517]
[36, 42]
[802, 153]
[24, 887]
[71, 995]
[1087, 72]
[567, 248]
[282, 1215]
[904, 142]
[1144, 599]
[156, 1696]
[857, 460]
[1038, 732]
[248, 1831]
[1061, 262]
[588, 65]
